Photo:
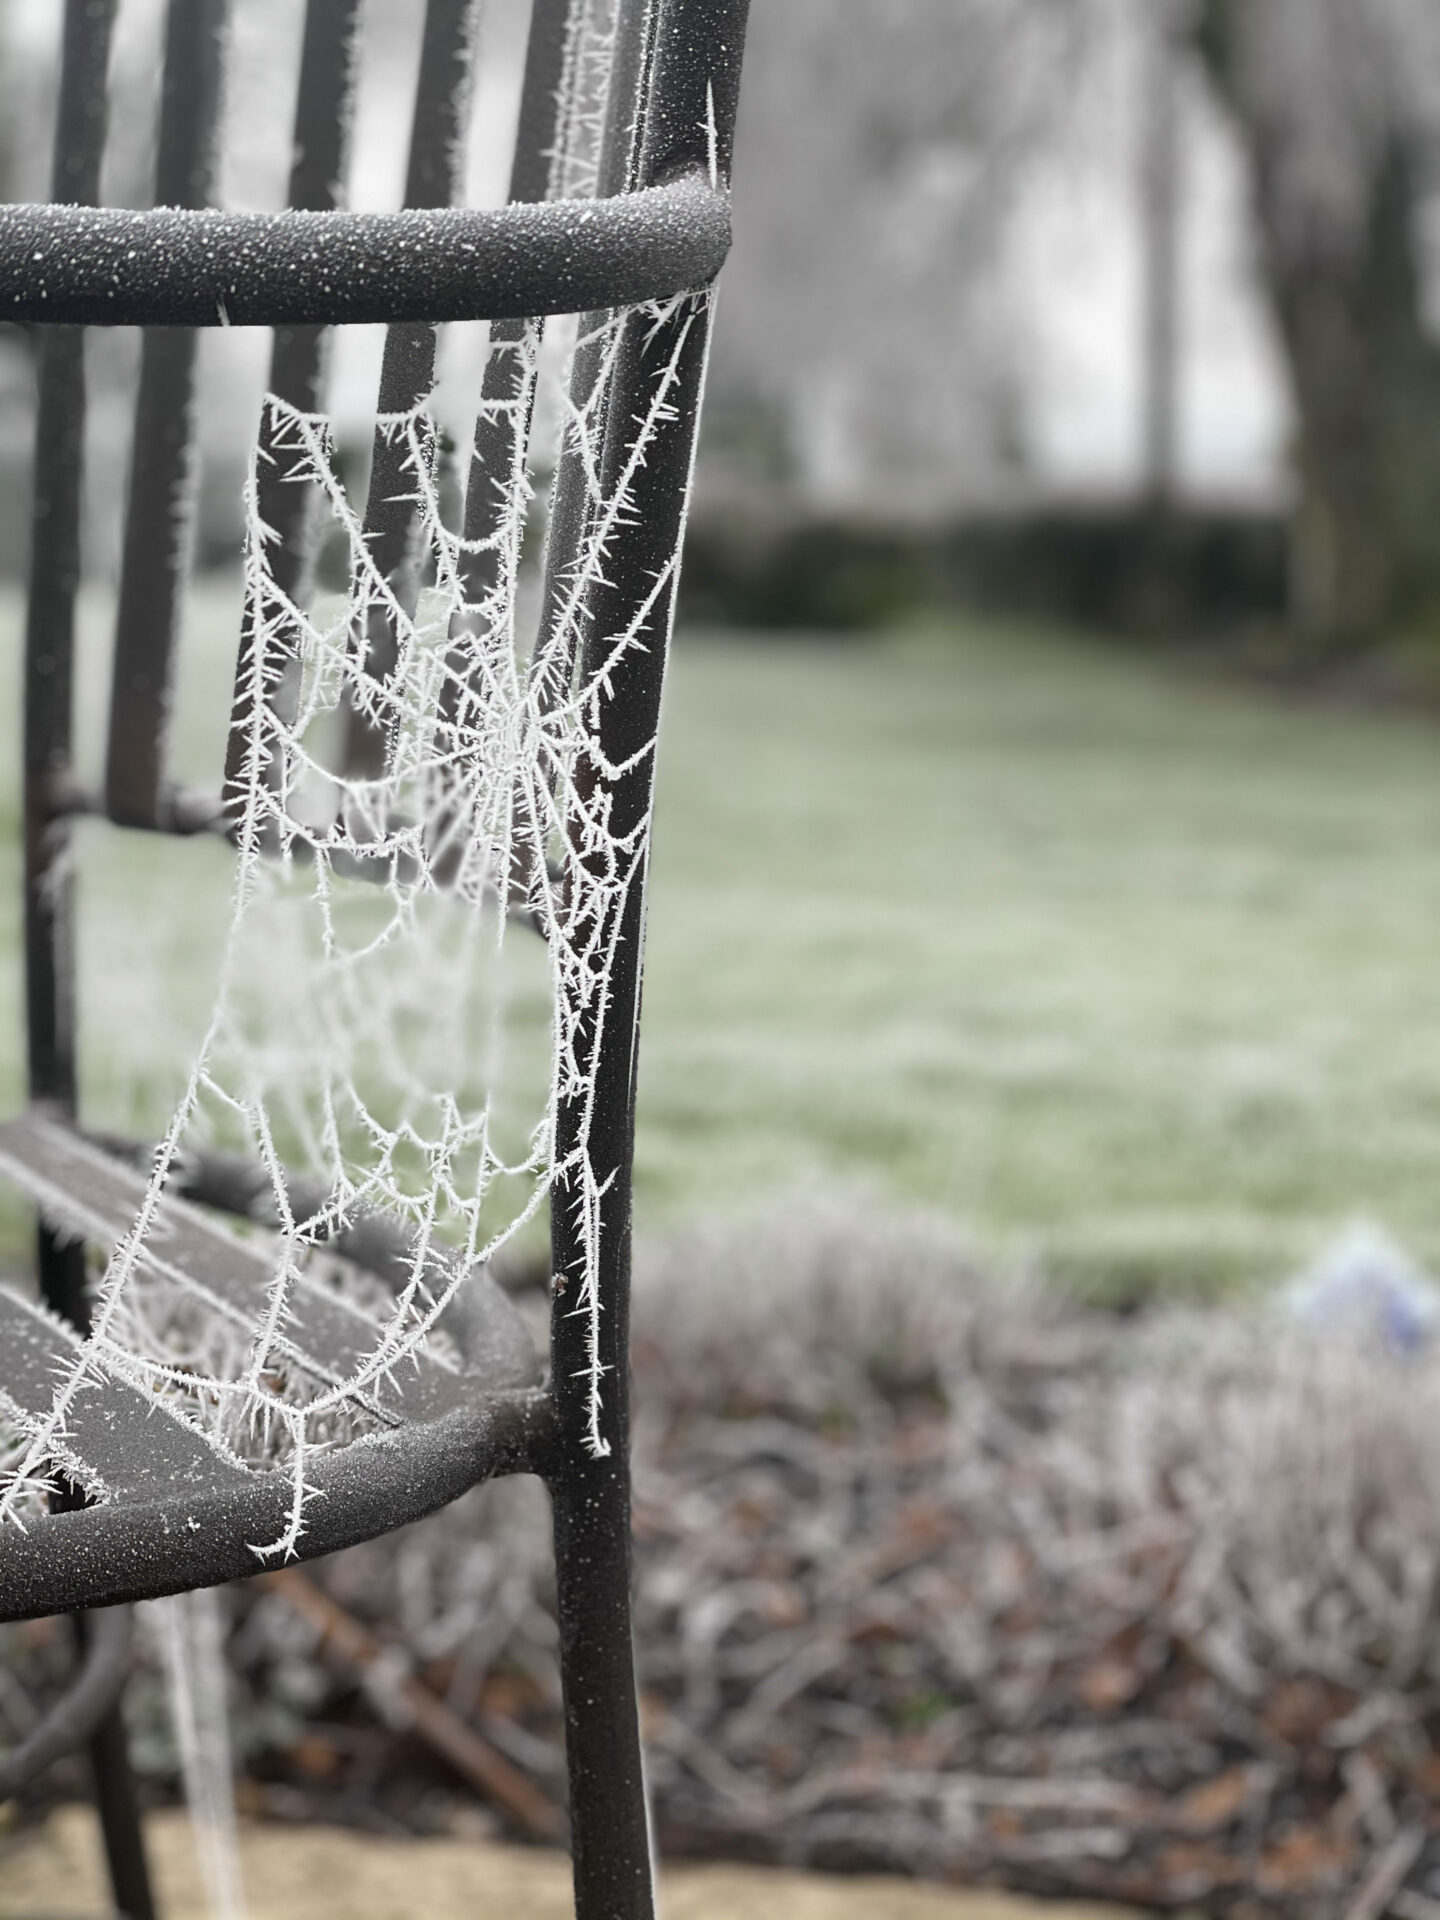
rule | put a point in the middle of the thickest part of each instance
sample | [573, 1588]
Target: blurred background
[1042, 949]
[1046, 831]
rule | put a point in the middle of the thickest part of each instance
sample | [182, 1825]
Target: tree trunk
[1365, 377]
[1161, 212]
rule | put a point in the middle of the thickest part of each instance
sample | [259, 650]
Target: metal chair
[174, 1515]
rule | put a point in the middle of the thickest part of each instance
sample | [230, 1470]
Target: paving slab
[53, 1872]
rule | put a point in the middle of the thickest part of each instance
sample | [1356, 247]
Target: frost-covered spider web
[356, 1052]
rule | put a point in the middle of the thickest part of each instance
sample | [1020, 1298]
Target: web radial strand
[387, 1033]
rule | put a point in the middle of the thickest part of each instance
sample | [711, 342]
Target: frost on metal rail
[177, 267]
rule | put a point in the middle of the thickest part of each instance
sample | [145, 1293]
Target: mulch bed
[939, 1578]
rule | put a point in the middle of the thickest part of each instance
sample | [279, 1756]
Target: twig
[1365, 1786]
[1376, 1893]
[471, 1756]
[713, 1768]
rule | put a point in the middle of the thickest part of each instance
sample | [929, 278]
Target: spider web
[357, 1046]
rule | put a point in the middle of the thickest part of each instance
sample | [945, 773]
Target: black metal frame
[660, 228]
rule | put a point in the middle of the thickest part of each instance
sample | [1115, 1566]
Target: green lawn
[1098, 956]
[1092, 953]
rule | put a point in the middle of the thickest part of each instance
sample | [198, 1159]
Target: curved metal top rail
[108, 267]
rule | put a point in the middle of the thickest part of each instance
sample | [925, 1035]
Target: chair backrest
[655, 226]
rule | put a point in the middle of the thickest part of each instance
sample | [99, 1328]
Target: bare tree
[7, 98]
[1338, 104]
[1161, 192]
[28, 58]
[880, 147]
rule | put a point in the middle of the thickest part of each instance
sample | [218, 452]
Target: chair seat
[171, 1508]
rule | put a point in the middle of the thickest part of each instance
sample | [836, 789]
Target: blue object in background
[1365, 1285]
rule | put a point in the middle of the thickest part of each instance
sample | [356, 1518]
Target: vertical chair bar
[507, 392]
[531, 176]
[162, 467]
[54, 582]
[119, 1813]
[434, 178]
[611, 1852]
[531, 163]
[80, 128]
[687, 115]
[569, 492]
[501, 430]
[324, 112]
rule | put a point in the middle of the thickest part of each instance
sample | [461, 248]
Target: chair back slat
[160, 505]
[570, 490]
[435, 174]
[324, 116]
[54, 578]
[535, 130]
[498, 429]
[434, 178]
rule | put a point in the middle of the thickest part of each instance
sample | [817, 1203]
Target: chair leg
[609, 1823]
[119, 1814]
[62, 1286]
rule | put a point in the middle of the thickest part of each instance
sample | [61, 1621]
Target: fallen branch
[486, 1768]
[1376, 1894]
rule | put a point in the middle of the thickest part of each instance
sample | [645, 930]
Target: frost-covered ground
[1079, 947]
[1085, 950]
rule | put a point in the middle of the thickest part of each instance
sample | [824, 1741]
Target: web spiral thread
[356, 1030]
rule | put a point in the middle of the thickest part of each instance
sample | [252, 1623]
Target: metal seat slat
[120, 1447]
[81, 1188]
